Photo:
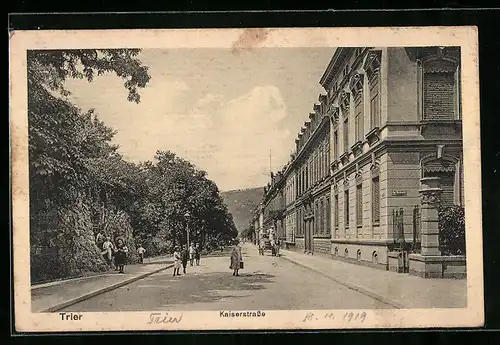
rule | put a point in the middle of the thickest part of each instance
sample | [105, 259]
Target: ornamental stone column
[430, 196]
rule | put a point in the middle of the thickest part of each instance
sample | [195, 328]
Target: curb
[354, 287]
[84, 297]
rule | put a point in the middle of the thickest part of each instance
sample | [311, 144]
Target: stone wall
[299, 243]
[322, 245]
[370, 253]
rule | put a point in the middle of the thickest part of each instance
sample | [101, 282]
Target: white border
[465, 37]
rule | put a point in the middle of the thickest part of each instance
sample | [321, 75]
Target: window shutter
[376, 200]
[359, 205]
[336, 146]
[336, 209]
[346, 135]
[374, 103]
[439, 89]
[346, 207]
[328, 217]
[359, 117]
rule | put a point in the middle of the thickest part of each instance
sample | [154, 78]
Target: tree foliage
[80, 185]
[452, 230]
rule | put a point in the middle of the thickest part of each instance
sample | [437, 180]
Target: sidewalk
[398, 289]
[54, 296]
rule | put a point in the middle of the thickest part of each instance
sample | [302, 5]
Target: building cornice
[313, 137]
[333, 66]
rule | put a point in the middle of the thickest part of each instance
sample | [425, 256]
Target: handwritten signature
[160, 318]
[348, 317]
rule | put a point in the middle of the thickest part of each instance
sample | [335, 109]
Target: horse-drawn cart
[265, 245]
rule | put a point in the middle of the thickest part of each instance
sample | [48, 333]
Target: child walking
[177, 261]
[141, 252]
[192, 253]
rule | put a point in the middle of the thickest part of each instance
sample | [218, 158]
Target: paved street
[266, 283]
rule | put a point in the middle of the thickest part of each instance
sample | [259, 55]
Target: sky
[225, 112]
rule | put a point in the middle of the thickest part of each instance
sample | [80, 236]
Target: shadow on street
[212, 287]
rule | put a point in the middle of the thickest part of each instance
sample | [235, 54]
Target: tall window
[316, 218]
[298, 223]
[359, 118]
[335, 146]
[336, 211]
[359, 205]
[306, 174]
[375, 200]
[316, 166]
[439, 95]
[322, 217]
[328, 216]
[327, 172]
[374, 101]
[346, 208]
[323, 160]
[346, 134]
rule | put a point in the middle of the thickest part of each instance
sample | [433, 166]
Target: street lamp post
[187, 215]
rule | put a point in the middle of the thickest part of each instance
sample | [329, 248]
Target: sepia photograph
[246, 179]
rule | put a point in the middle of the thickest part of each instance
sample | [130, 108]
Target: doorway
[309, 240]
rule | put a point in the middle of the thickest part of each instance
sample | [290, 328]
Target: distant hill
[241, 203]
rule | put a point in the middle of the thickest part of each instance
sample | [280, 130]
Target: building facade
[274, 205]
[390, 116]
[311, 165]
[395, 118]
[290, 197]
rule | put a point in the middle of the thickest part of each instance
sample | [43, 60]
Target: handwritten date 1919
[348, 317]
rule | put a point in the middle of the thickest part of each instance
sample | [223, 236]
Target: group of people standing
[274, 243]
[182, 255]
[115, 254]
[193, 254]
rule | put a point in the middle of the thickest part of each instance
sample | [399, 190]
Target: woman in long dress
[236, 258]
[121, 254]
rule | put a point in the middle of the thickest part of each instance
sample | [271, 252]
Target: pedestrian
[107, 251]
[184, 258]
[236, 258]
[141, 252]
[192, 252]
[272, 241]
[197, 254]
[177, 261]
[271, 237]
[278, 246]
[99, 239]
[121, 254]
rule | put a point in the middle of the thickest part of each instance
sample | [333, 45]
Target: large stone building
[311, 165]
[290, 197]
[395, 118]
[390, 116]
[274, 205]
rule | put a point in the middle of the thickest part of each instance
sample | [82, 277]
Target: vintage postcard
[258, 179]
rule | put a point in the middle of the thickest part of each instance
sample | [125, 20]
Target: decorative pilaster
[430, 196]
[429, 262]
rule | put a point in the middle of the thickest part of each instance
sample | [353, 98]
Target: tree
[67, 154]
[51, 68]
[80, 185]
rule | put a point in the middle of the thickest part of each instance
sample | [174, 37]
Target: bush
[452, 230]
